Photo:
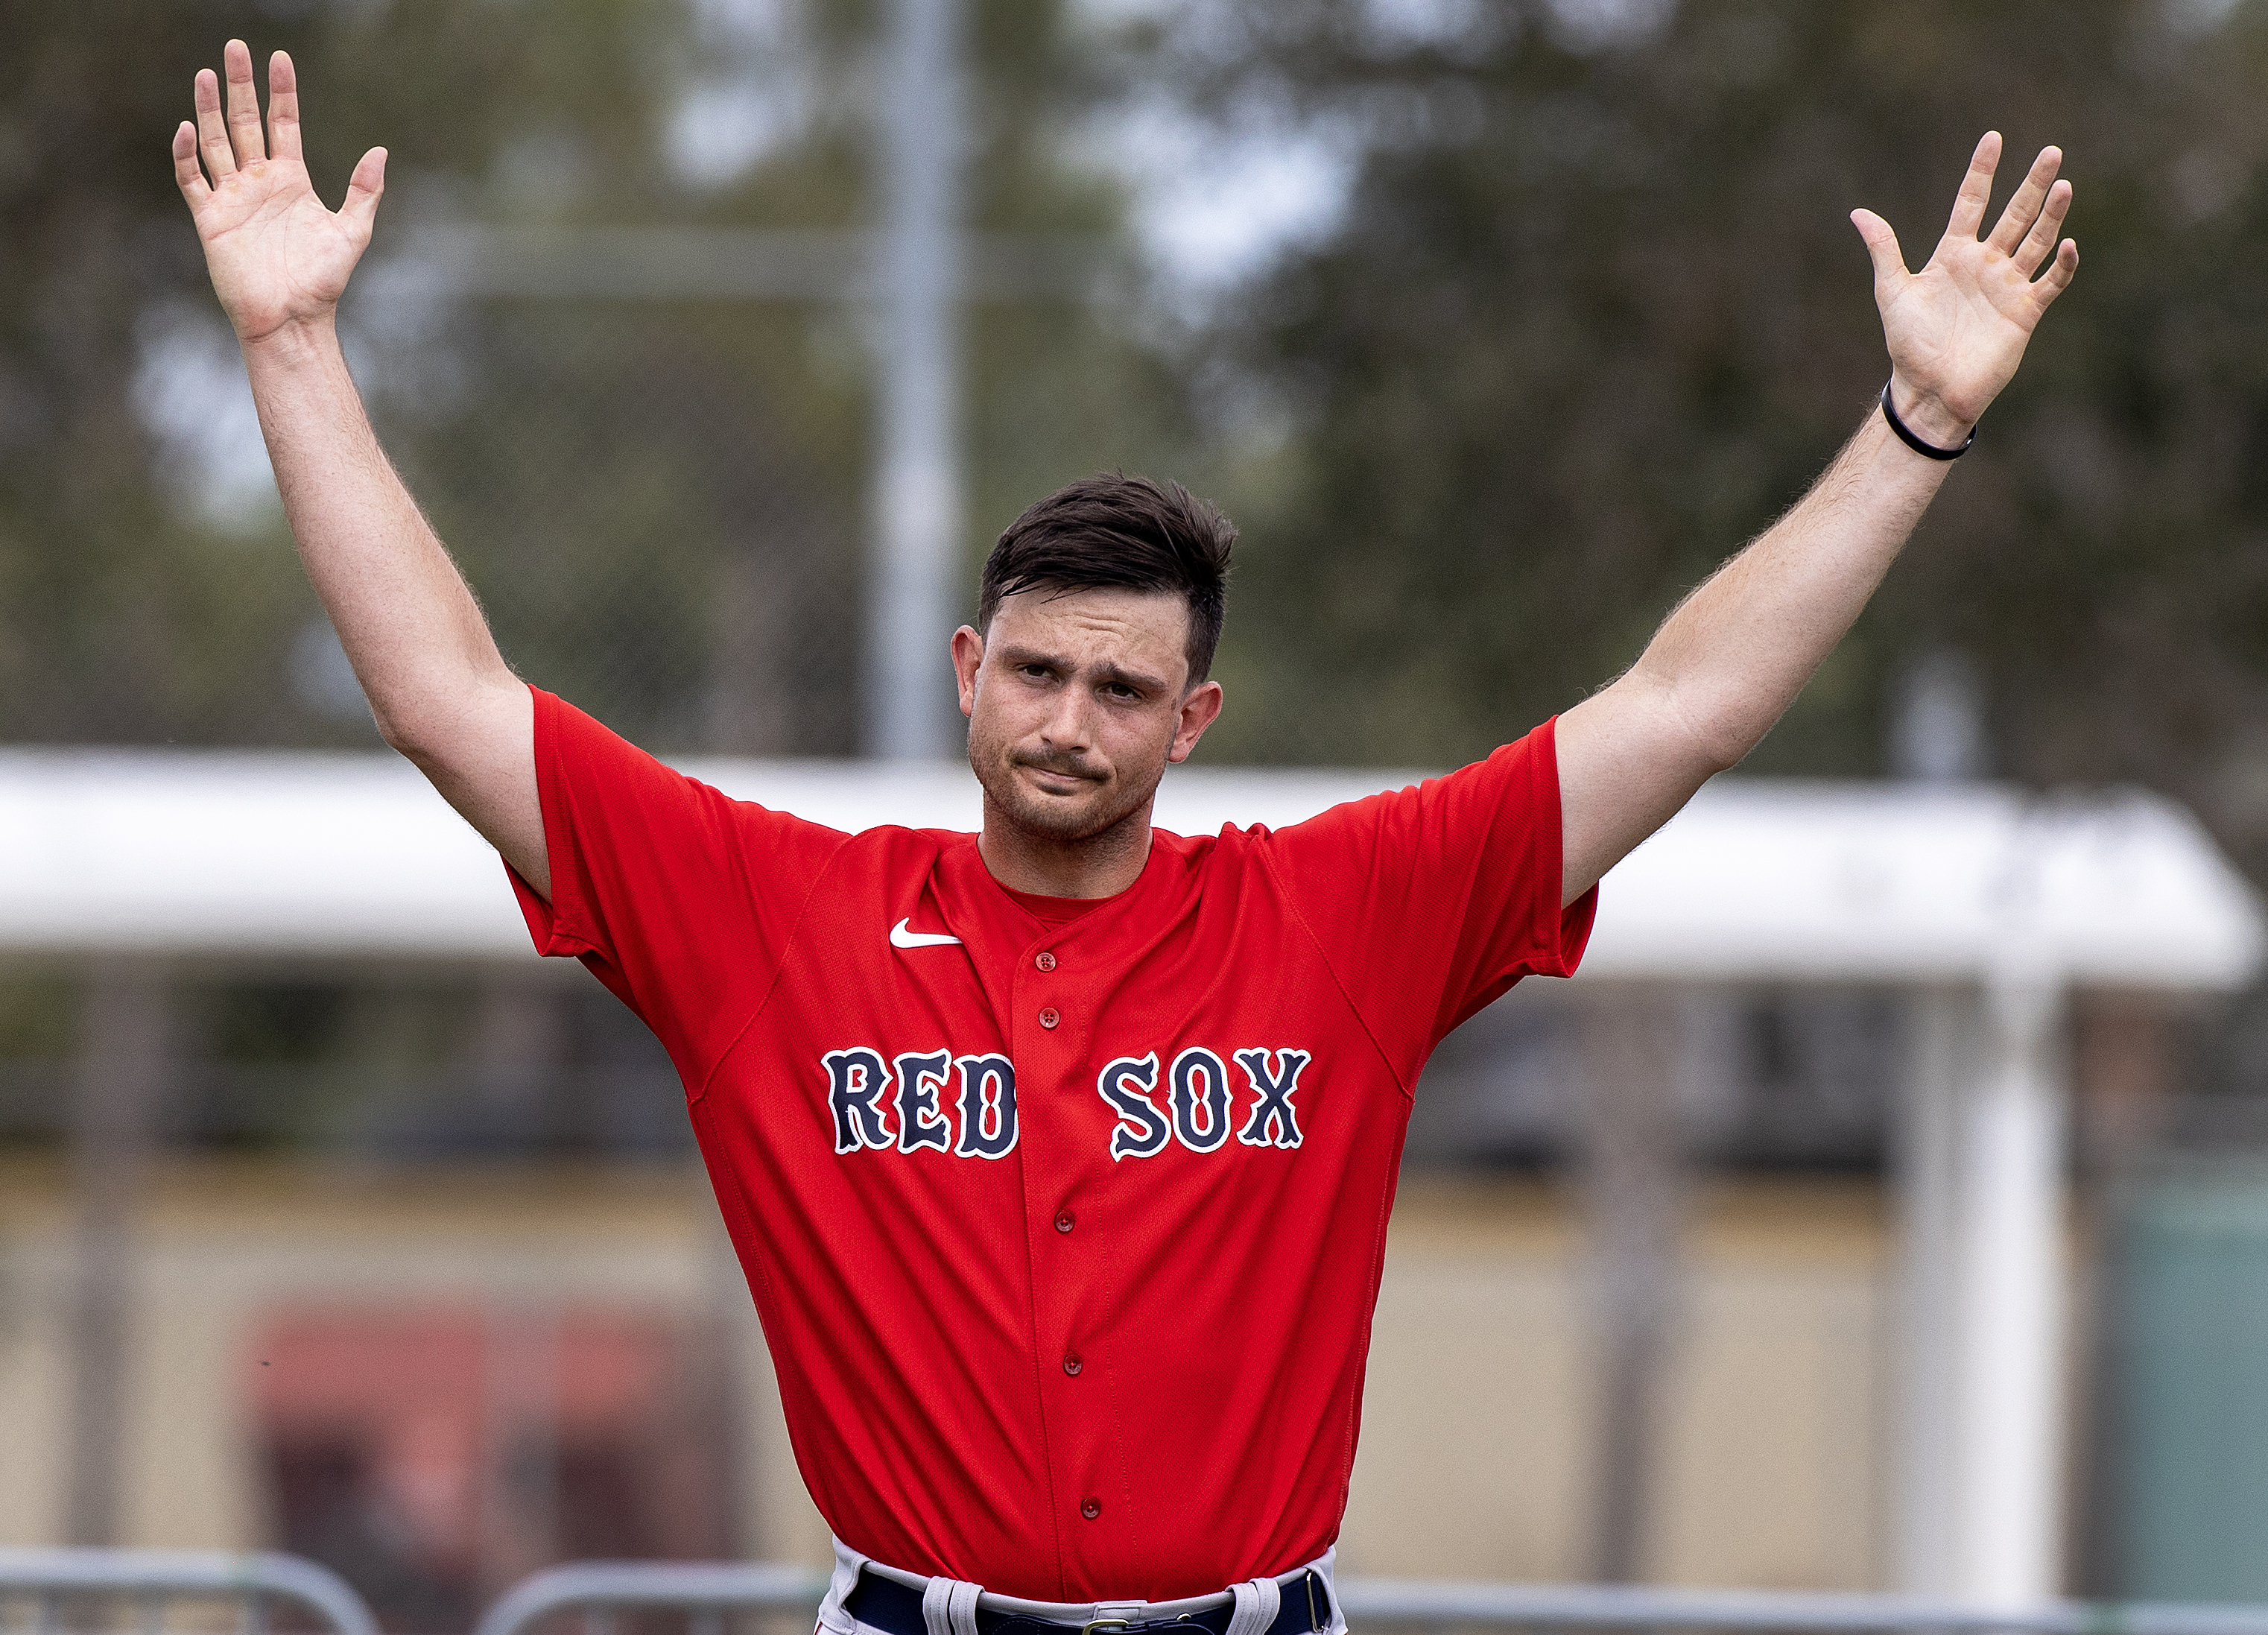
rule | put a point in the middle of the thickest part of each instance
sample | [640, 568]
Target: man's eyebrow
[1011, 655]
[1141, 681]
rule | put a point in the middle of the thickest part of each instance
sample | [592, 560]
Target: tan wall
[1479, 1422]
[1477, 1431]
[228, 1244]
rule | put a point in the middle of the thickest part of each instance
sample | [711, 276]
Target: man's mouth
[1053, 770]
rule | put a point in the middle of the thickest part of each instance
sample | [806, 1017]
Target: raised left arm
[1732, 658]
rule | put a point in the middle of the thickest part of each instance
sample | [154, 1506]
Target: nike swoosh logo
[901, 937]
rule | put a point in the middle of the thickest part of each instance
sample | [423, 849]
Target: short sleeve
[679, 898]
[1431, 901]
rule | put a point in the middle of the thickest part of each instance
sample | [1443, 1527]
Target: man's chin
[1082, 815]
[1061, 817]
[1085, 810]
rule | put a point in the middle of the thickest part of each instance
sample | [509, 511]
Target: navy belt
[888, 1605]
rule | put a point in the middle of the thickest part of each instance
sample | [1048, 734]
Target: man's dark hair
[1124, 533]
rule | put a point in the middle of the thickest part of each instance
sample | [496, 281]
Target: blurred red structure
[433, 1454]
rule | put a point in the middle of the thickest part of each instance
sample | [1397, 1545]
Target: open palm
[277, 256]
[1957, 328]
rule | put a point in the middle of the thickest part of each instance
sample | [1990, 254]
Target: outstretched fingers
[282, 107]
[2024, 210]
[1976, 189]
[365, 187]
[213, 130]
[1882, 247]
[188, 175]
[243, 104]
[2041, 240]
[2058, 276]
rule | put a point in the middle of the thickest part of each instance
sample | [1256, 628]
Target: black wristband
[1906, 436]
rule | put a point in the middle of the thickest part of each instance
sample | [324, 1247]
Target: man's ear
[967, 653]
[1200, 709]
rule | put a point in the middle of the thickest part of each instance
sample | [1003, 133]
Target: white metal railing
[708, 1593]
[1595, 1606]
[148, 1581]
[704, 1592]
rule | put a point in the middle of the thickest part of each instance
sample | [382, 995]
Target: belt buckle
[1093, 1625]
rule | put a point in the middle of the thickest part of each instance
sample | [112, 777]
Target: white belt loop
[949, 1606]
[1258, 1603]
[960, 1612]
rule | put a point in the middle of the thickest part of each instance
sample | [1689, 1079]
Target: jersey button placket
[1050, 1057]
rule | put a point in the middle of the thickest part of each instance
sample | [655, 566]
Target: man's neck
[1100, 866]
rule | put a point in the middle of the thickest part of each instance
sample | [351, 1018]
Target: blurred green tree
[661, 503]
[1595, 314]
[129, 613]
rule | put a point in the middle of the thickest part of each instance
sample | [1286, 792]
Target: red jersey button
[1091, 1509]
[1065, 1221]
[1071, 1365]
[1045, 962]
[1049, 1017]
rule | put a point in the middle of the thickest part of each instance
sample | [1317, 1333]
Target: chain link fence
[651, 451]
[657, 502]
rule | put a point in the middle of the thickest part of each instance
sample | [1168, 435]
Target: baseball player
[1059, 1156]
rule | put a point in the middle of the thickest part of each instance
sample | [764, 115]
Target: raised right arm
[441, 692]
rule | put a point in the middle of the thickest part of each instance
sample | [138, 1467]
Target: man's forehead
[1095, 610]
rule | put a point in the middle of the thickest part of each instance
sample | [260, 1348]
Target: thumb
[1882, 246]
[364, 188]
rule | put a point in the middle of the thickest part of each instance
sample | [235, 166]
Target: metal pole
[125, 1049]
[2011, 1334]
[1940, 1048]
[1633, 1190]
[910, 712]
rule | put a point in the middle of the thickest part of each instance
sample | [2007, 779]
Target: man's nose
[1067, 726]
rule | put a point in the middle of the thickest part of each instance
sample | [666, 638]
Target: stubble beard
[1060, 821]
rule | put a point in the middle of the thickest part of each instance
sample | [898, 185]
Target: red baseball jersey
[1064, 1219]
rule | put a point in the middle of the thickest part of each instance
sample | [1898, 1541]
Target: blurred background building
[1495, 325]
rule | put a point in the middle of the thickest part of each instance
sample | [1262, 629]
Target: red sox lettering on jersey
[869, 1114]
[1064, 1219]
